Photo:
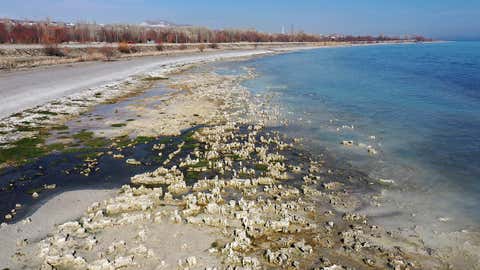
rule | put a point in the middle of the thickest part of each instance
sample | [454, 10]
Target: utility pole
[292, 32]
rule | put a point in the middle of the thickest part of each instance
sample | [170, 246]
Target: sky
[441, 19]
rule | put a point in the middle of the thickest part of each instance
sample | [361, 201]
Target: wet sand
[59, 209]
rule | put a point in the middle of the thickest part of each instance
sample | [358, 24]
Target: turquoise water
[421, 102]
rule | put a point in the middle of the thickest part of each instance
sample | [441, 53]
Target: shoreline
[224, 125]
[24, 56]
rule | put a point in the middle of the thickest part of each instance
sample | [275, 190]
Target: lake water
[417, 105]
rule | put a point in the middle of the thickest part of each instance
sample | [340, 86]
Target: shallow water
[64, 168]
[419, 101]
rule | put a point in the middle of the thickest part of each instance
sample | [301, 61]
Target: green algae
[261, 167]
[117, 125]
[87, 138]
[154, 78]
[22, 150]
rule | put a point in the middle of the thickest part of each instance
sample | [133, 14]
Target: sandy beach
[232, 193]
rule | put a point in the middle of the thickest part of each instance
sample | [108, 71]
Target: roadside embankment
[14, 56]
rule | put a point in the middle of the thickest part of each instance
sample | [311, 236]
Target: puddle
[64, 170]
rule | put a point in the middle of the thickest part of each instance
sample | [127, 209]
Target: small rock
[191, 261]
[386, 181]
[369, 262]
[443, 219]
[35, 195]
[52, 186]
[118, 156]
[347, 143]
[133, 161]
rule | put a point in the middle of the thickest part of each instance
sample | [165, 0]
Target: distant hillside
[160, 24]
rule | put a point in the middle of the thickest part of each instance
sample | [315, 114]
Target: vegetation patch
[154, 78]
[62, 127]
[54, 50]
[261, 167]
[34, 190]
[124, 141]
[46, 112]
[117, 125]
[201, 163]
[88, 139]
[25, 128]
[143, 139]
[55, 147]
[22, 150]
[191, 146]
[191, 175]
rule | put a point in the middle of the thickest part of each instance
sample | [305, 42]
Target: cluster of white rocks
[259, 220]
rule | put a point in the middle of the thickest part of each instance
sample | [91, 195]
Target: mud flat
[232, 194]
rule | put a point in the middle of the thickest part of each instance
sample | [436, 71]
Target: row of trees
[44, 32]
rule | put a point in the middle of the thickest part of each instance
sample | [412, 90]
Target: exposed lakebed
[285, 206]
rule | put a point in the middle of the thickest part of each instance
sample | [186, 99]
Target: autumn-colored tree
[47, 32]
[23, 34]
[4, 35]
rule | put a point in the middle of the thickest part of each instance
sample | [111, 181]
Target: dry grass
[53, 50]
[213, 46]
[160, 47]
[107, 52]
[123, 47]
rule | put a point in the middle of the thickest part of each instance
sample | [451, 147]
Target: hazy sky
[433, 18]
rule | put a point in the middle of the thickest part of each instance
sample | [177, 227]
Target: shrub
[201, 47]
[160, 46]
[134, 49]
[182, 47]
[213, 46]
[53, 50]
[107, 52]
[123, 47]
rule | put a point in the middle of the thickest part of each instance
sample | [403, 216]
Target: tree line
[48, 33]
